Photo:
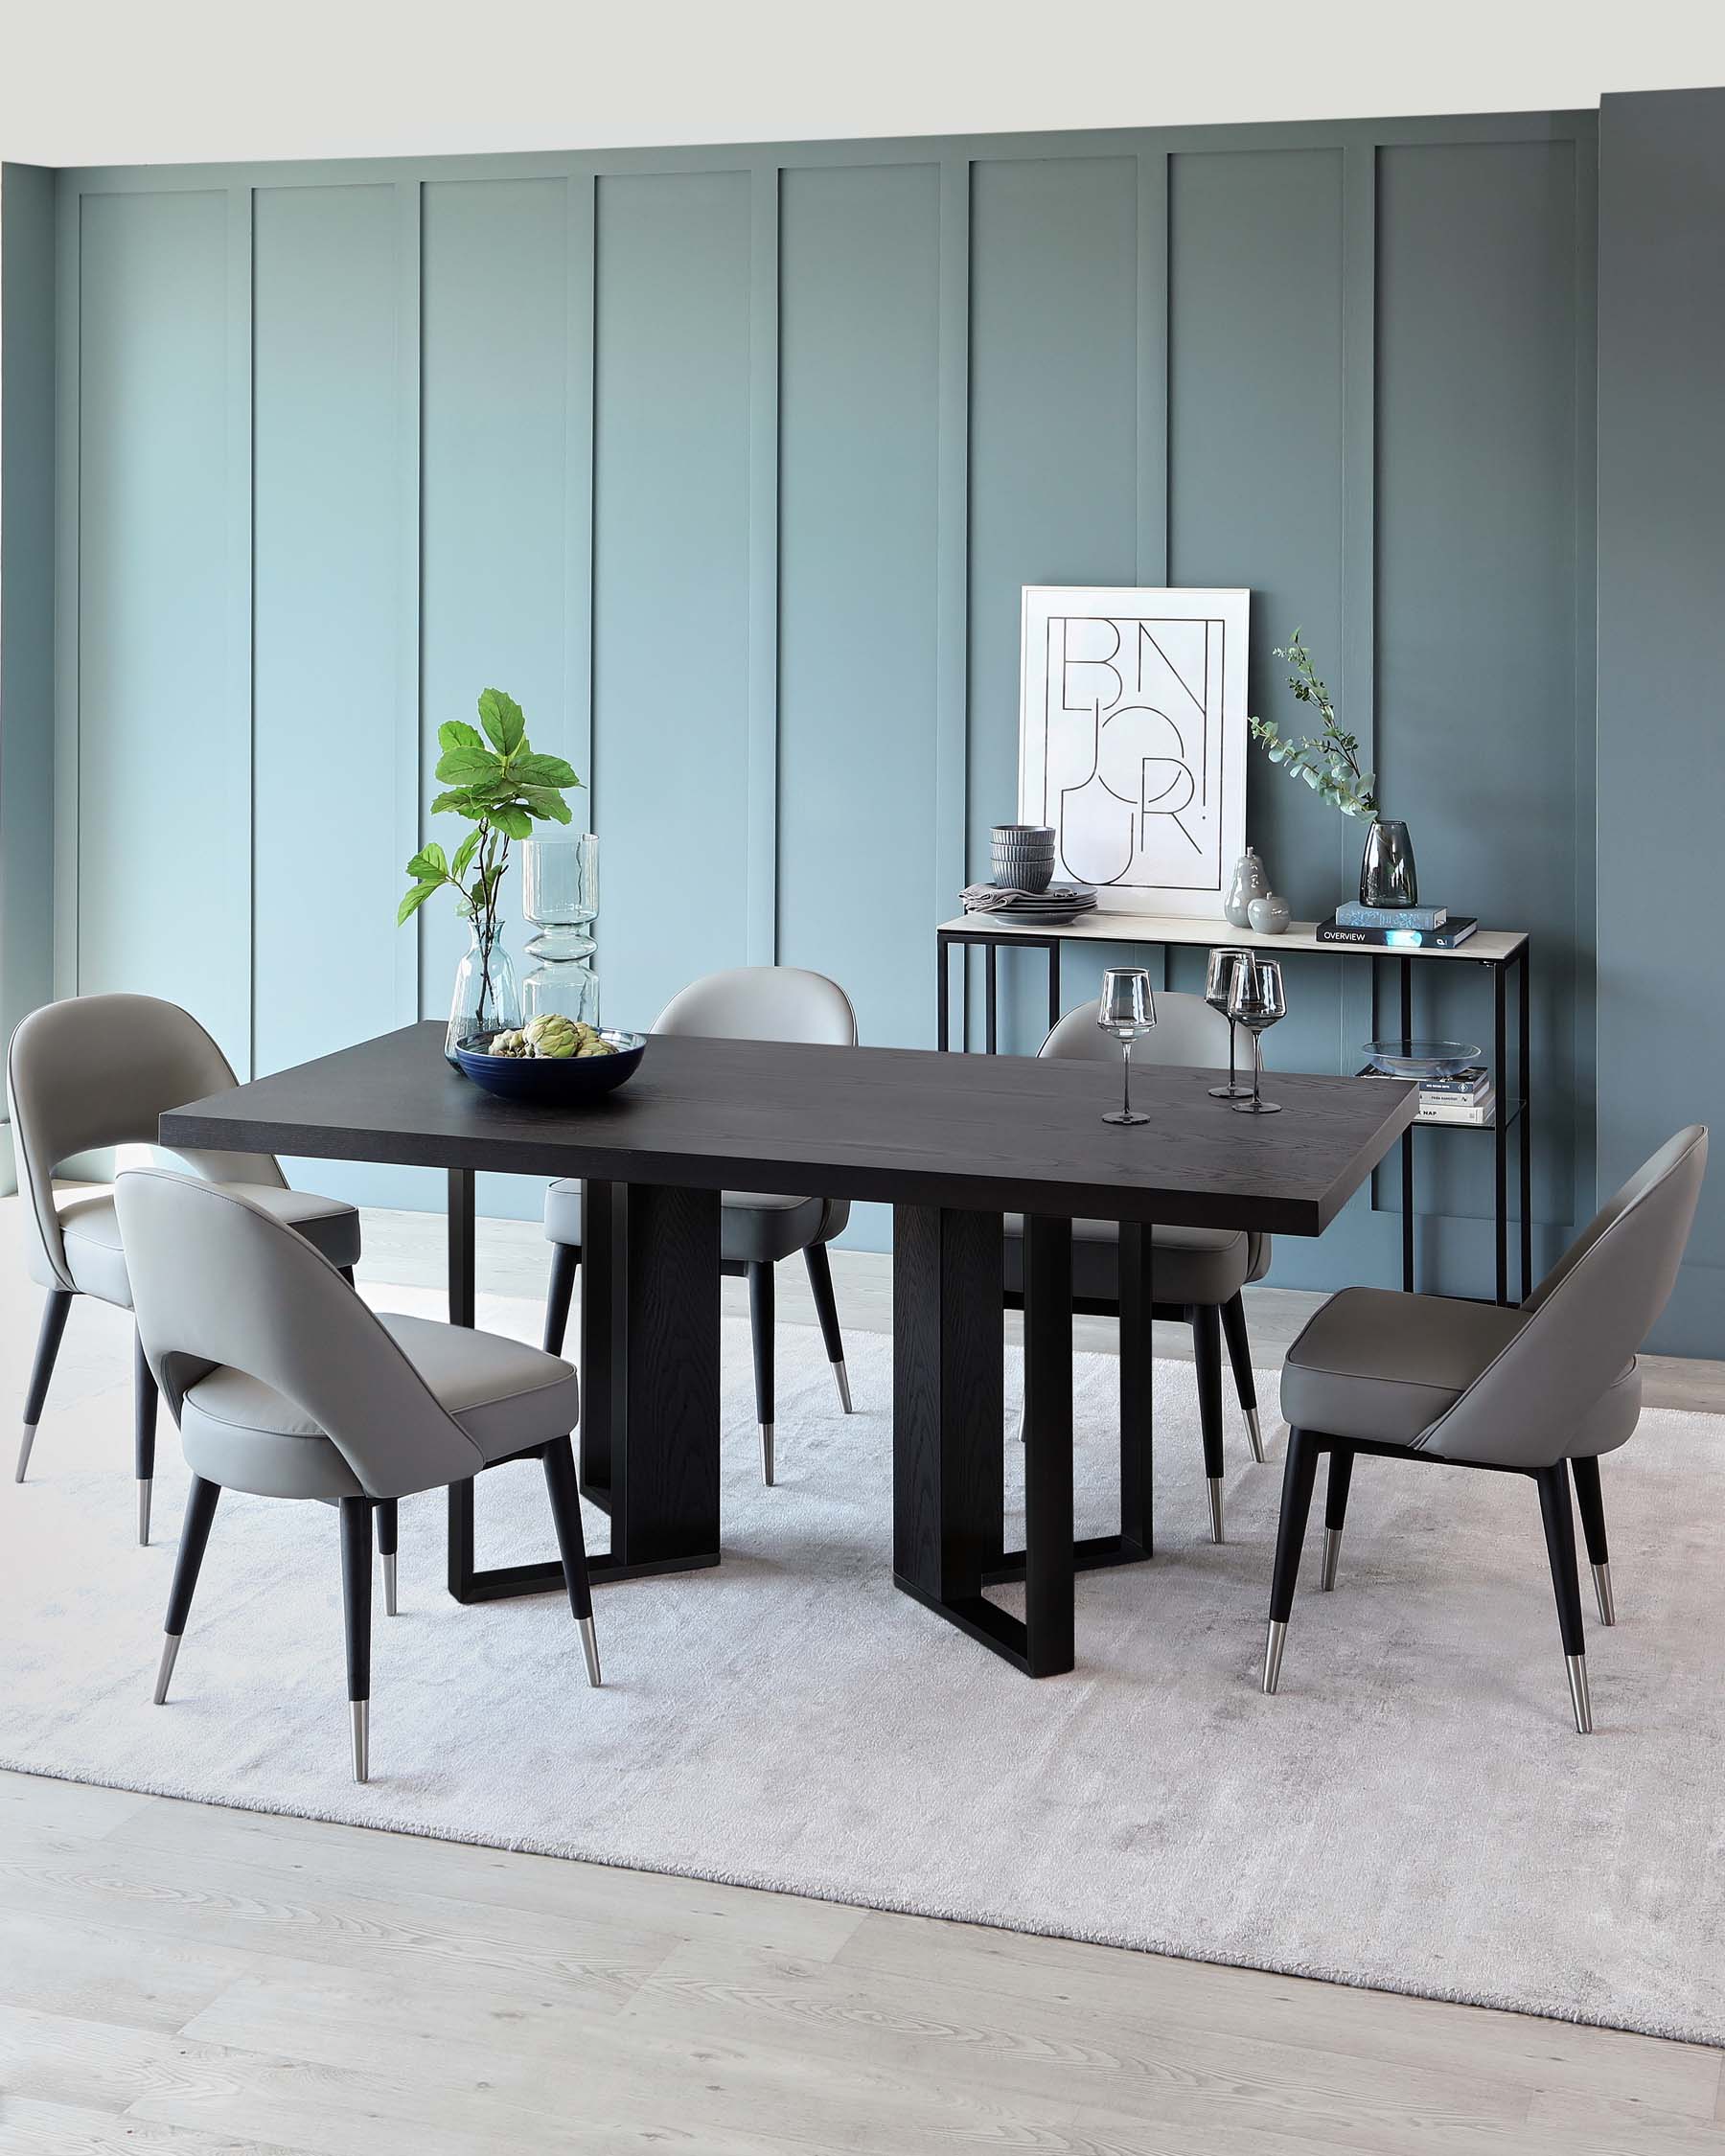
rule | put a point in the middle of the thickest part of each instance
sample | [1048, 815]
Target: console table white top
[1490, 946]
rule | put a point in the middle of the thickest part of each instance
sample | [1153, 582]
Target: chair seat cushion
[90, 1232]
[1381, 1366]
[90, 1228]
[755, 1227]
[506, 1396]
[1188, 1264]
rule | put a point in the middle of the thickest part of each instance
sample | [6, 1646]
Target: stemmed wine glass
[1218, 983]
[1127, 1010]
[1255, 1001]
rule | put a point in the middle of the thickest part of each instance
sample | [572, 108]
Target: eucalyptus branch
[1329, 760]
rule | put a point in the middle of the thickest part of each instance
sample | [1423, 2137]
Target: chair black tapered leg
[1590, 1502]
[1335, 1511]
[144, 1433]
[566, 1259]
[1239, 1354]
[195, 1536]
[565, 1493]
[388, 1525]
[1207, 1352]
[347, 1274]
[1566, 1584]
[55, 1313]
[761, 1322]
[826, 1309]
[356, 1613]
[1298, 1474]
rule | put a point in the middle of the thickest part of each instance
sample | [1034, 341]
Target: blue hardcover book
[1455, 931]
[1354, 915]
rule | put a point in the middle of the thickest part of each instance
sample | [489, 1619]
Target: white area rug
[1414, 1811]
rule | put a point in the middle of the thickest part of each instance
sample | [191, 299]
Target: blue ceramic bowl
[552, 1081]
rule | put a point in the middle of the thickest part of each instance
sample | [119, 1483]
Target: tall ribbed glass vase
[560, 895]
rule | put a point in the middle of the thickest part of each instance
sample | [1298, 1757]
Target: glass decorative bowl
[1424, 1059]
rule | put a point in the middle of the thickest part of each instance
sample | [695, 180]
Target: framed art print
[1132, 740]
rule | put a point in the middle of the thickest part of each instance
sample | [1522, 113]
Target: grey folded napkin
[991, 898]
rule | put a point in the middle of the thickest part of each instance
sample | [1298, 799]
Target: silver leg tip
[389, 1584]
[170, 1652]
[143, 1489]
[590, 1647]
[1579, 1697]
[361, 1739]
[1215, 1505]
[1602, 1588]
[1273, 1655]
[1332, 1551]
[841, 1379]
[1254, 1432]
[766, 1453]
[29, 1440]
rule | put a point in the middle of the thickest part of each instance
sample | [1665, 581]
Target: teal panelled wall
[1662, 657]
[730, 464]
[671, 583]
[27, 292]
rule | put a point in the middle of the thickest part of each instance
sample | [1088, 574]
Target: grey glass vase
[1387, 875]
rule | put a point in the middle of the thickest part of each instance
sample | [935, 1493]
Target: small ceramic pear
[1249, 882]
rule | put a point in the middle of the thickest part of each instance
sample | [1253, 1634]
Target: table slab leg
[948, 1415]
[649, 1393]
[1137, 1393]
[1048, 1620]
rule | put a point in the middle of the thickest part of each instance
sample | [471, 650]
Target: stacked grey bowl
[1024, 856]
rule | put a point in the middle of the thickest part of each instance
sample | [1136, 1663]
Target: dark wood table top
[899, 1125]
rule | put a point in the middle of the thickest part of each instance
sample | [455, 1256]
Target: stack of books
[1397, 928]
[1468, 1097]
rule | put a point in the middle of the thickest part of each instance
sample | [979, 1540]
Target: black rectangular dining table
[952, 1144]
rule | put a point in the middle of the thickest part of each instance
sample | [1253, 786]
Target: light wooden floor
[175, 1977]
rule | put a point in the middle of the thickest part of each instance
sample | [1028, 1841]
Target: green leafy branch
[1329, 760]
[503, 790]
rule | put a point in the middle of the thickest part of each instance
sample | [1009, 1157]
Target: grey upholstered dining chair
[756, 1230]
[1197, 1272]
[96, 1071]
[286, 1384]
[1543, 1390]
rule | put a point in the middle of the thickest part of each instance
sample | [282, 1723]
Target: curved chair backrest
[1186, 1032]
[1590, 1316]
[762, 1003]
[216, 1280]
[98, 1070]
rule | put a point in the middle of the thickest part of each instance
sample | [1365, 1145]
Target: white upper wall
[125, 81]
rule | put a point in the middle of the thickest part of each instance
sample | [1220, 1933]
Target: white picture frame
[1132, 740]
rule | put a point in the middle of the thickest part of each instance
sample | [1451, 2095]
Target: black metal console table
[1500, 951]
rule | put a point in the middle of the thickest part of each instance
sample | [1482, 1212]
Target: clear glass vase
[486, 1000]
[560, 895]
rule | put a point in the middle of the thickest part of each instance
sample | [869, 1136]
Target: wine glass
[1127, 1010]
[1255, 1001]
[1218, 981]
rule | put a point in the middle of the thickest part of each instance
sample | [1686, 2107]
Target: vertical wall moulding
[1358, 686]
[1152, 367]
[410, 544]
[1585, 1191]
[241, 592]
[951, 523]
[762, 813]
[68, 312]
[577, 503]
